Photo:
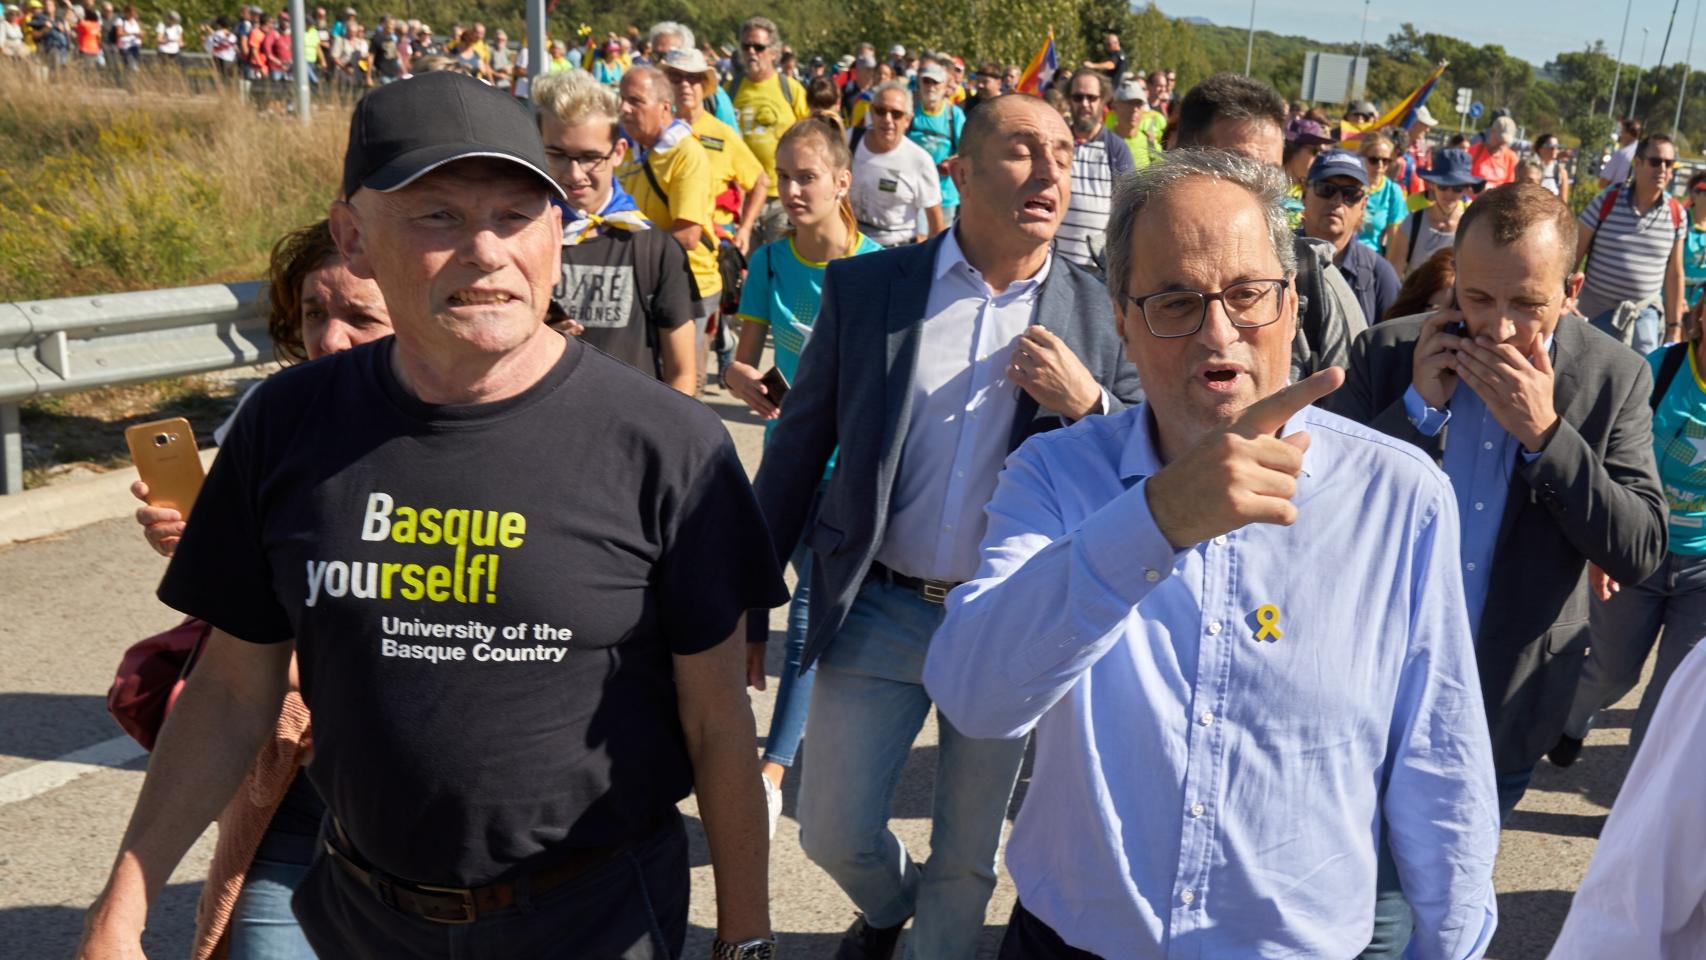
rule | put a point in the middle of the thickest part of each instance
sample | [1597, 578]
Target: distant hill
[1197, 21]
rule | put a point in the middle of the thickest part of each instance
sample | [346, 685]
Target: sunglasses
[1086, 98]
[1352, 194]
[886, 112]
[755, 47]
[1448, 188]
[1377, 161]
[1661, 163]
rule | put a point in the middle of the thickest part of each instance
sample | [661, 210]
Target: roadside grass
[107, 190]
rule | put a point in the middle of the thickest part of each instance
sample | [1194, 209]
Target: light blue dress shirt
[963, 407]
[1480, 457]
[1201, 789]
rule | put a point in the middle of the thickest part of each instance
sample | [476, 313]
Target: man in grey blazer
[1543, 426]
[927, 365]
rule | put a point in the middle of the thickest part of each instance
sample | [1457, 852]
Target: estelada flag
[1040, 70]
[1402, 114]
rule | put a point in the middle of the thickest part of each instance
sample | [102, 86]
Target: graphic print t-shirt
[612, 282]
[485, 599]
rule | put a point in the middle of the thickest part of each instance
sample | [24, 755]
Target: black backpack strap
[1669, 364]
[1415, 231]
[652, 178]
[648, 276]
[853, 142]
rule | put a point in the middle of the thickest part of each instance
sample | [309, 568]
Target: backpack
[730, 261]
[1610, 203]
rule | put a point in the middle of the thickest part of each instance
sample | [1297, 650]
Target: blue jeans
[1393, 920]
[794, 690]
[262, 926]
[1511, 787]
[1649, 328]
[867, 707]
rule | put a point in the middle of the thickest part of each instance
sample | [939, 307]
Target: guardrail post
[11, 450]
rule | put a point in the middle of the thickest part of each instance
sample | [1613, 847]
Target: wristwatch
[756, 949]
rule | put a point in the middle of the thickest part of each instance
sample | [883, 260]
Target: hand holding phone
[1434, 368]
[165, 455]
[775, 385]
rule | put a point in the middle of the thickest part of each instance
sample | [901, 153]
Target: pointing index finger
[1267, 415]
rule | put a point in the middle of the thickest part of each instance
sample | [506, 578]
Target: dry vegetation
[108, 189]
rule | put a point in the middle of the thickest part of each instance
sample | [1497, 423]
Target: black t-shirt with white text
[485, 599]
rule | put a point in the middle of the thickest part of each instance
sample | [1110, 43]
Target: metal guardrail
[58, 346]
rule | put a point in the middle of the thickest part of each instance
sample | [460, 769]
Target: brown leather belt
[935, 591]
[459, 904]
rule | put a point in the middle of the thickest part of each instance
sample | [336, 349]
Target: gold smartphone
[166, 458]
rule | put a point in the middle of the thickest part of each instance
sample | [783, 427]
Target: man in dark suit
[927, 365]
[1542, 423]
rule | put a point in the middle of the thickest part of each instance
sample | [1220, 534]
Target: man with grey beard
[1098, 158]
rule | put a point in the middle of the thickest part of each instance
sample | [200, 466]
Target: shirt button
[1207, 717]
[1220, 541]
[948, 527]
[1214, 628]
[1469, 566]
[961, 474]
[1188, 897]
[1197, 810]
[1151, 576]
[1480, 506]
[1486, 445]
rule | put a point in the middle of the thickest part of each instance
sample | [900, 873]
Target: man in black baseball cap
[401, 132]
[511, 569]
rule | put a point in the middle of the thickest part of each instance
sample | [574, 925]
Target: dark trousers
[1031, 939]
[633, 907]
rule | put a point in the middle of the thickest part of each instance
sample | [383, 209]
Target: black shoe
[865, 942]
[1567, 751]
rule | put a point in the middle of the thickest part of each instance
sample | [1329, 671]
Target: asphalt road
[74, 602]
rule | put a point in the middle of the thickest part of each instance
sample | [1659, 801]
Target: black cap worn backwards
[402, 131]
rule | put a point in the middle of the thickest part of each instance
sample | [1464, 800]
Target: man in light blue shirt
[1225, 734]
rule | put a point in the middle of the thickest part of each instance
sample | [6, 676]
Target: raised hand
[1241, 475]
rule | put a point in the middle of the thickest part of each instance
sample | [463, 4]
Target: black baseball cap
[403, 131]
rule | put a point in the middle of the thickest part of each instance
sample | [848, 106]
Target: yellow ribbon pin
[1268, 616]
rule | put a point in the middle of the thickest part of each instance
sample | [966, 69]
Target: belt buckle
[935, 591]
[466, 897]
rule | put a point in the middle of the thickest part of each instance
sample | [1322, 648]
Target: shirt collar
[950, 257]
[1142, 455]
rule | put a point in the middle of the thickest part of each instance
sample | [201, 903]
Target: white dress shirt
[1645, 892]
[963, 407]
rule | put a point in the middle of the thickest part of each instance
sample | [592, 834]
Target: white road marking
[37, 779]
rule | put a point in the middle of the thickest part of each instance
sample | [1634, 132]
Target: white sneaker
[772, 801]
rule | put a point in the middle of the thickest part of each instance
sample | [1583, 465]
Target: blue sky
[1531, 29]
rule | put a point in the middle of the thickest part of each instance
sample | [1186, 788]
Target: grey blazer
[1592, 496]
[853, 391]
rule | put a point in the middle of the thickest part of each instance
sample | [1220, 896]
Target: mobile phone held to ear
[1461, 327]
[167, 460]
[775, 385]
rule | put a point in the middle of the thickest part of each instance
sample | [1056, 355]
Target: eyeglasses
[1353, 194]
[1661, 163]
[1086, 98]
[887, 112]
[1448, 188]
[1180, 313]
[755, 47]
[1377, 161]
[684, 78]
[590, 162]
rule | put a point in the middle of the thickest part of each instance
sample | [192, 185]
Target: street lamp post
[1362, 39]
[1640, 65]
[1250, 42]
[1611, 105]
[1687, 63]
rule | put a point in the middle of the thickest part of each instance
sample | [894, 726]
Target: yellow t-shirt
[765, 115]
[732, 162]
[684, 173]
